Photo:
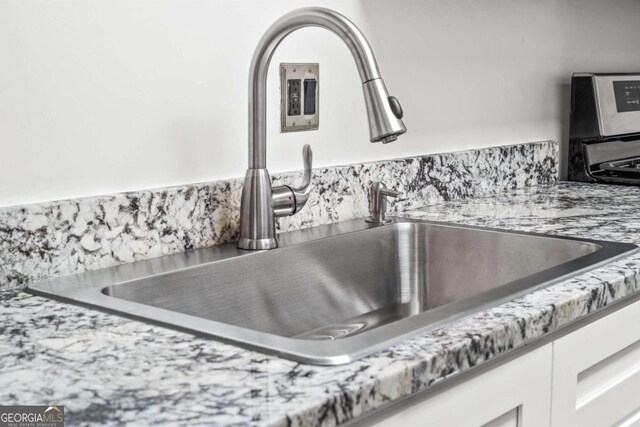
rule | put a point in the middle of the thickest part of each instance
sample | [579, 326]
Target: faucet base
[372, 220]
[257, 244]
[257, 219]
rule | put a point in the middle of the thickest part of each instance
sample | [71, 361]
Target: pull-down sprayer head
[383, 111]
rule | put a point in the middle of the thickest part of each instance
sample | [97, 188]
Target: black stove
[604, 135]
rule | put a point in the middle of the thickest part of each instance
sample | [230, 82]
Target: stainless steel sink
[332, 294]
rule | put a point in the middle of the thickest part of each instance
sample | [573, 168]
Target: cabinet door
[513, 394]
[596, 373]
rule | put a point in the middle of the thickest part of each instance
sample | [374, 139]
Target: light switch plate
[300, 122]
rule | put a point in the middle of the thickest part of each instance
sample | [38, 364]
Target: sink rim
[86, 289]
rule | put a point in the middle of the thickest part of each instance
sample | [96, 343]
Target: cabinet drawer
[596, 379]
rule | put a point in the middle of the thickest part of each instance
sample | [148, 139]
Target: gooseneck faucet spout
[260, 202]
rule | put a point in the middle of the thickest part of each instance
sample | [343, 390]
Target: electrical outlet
[293, 97]
[299, 90]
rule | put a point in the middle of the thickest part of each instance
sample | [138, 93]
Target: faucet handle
[301, 193]
[288, 200]
[307, 161]
[378, 202]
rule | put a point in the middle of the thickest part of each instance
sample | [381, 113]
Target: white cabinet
[587, 378]
[596, 373]
[514, 394]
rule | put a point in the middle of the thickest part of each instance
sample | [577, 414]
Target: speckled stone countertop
[107, 369]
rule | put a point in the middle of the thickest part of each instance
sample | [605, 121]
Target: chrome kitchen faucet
[261, 203]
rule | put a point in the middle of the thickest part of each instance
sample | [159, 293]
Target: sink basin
[334, 293]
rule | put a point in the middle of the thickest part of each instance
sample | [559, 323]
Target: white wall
[100, 96]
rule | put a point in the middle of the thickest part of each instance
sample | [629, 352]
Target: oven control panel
[627, 94]
[618, 103]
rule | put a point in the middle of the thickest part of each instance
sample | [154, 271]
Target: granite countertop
[107, 369]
